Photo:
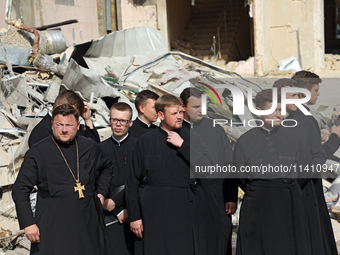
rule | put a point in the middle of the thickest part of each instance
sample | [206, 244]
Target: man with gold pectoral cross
[68, 212]
[80, 189]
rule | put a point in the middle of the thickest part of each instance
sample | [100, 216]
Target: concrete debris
[332, 62]
[22, 47]
[289, 64]
[112, 68]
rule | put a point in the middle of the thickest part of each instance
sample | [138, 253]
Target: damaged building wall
[288, 28]
[85, 11]
[144, 13]
[140, 15]
[38, 13]
[179, 13]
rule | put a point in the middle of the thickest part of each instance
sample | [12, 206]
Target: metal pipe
[66, 22]
[21, 26]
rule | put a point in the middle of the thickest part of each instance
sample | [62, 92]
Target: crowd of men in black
[133, 194]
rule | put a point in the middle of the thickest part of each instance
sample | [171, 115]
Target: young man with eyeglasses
[119, 149]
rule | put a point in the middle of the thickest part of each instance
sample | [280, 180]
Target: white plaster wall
[3, 23]
[138, 16]
[286, 28]
[85, 11]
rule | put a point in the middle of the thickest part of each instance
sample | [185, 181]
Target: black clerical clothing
[67, 224]
[217, 191]
[333, 142]
[44, 129]
[161, 193]
[120, 153]
[314, 158]
[330, 147]
[272, 215]
[139, 127]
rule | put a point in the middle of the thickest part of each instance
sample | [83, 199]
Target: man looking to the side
[119, 148]
[220, 194]
[166, 207]
[43, 128]
[145, 105]
[63, 167]
[311, 81]
[272, 216]
[314, 155]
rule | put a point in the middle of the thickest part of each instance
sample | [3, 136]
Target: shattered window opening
[64, 2]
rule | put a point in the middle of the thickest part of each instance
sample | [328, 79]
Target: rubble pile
[332, 62]
[112, 68]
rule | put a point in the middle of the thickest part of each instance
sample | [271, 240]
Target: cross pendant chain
[78, 186]
[80, 189]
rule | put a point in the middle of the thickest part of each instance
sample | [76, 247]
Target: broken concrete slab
[88, 84]
[15, 90]
[141, 42]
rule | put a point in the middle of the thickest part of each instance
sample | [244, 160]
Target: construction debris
[112, 68]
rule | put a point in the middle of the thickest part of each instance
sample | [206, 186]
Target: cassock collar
[143, 123]
[160, 126]
[307, 107]
[187, 123]
[268, 132]
[165, 133]
[66, 145]
[120, 141]
[288, 116]
[50, 113]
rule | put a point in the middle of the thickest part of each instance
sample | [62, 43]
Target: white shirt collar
[191, 124]
[164, 129]
[267, 129]
[121, 140]
[145, 123]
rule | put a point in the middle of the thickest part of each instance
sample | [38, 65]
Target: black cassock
[217, 191]
[330, 147]
[44, 129]
[272, 216]
[138, 128]
[67, 224]
[121, 237]
[161, 193]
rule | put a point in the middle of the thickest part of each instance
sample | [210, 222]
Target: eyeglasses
[122, 122]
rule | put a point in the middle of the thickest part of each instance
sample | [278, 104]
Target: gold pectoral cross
[80, 189]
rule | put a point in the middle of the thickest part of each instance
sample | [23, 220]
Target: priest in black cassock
[220, 194]
[43, 128]
[145, 106]
[315, 157]
[272, 215]
[68, 216]
[119, 148]
[166, 207]
[311, 81]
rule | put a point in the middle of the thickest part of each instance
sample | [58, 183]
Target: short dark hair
[166, 101]
[284, 82]
[143, 96]
[306, 79]
[188, 92]
[71, 98]
[121, 106]
[65, 110]
[263, 97]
